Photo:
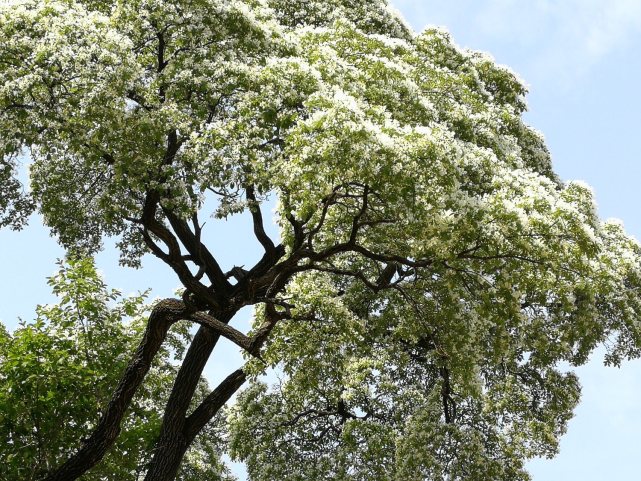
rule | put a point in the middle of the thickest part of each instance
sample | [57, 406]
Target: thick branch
[225, 330]
[199, 252]
[297, 226]
[213, 402]
[163, 315]
[174, 257]
[272, 317]
[359, 215]
[171, 445]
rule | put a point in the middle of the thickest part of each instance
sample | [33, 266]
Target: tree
[432, 271]
[65, 365]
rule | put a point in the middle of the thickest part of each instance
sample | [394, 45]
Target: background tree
[58, 372]
[432, 271]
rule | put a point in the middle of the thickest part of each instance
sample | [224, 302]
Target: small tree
[431, 271]
[58, 372]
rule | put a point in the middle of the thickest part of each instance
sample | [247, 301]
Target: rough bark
[93, 449]
[173, 444]
[168, 456]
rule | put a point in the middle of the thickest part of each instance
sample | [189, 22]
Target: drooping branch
[163, 315]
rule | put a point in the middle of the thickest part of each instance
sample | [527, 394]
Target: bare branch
[257, 218]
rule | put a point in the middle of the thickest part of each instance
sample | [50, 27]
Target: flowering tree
[431, 271]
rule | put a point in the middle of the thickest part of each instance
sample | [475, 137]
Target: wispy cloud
[561, 38]
[616, 22]
[564, 39]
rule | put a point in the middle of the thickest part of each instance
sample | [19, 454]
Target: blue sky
[581, 60]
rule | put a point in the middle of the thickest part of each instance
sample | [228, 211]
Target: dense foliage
[432, 271]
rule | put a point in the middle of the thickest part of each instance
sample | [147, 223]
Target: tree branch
[213, 402]
[199, 252]
[93, 449]
[257, 218]
[174, 257]
[171, 441]
[225, 330]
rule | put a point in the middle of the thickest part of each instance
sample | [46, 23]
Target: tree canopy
[432, 271]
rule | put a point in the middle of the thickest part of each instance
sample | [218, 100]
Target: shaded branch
[199, 252]
[182, 393]
[213, 402]
[449, 407]
[383, 281]
[225, 330]
[257, 219]
[173, 257]
[262, 333]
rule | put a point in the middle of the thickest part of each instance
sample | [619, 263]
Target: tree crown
[432, 270]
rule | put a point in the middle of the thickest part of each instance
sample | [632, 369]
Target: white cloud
[561, 39]
[566, 38]
[616, 21]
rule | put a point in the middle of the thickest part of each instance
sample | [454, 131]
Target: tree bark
[178, 430]
[173, 444]
[168, 456]
[164, 314]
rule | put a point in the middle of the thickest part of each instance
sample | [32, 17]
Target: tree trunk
[172, 444]
[177, 436]
[170, 450]
[163, 315]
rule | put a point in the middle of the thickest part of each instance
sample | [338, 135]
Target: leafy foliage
[57, 372]
[432, 273]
